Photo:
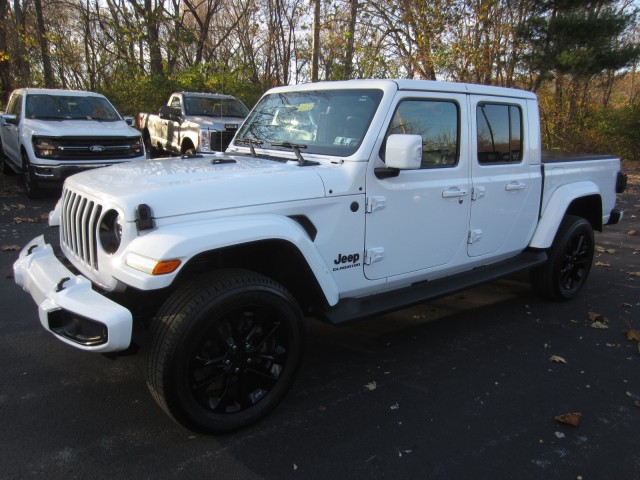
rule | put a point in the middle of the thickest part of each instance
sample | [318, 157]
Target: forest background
[579, 56]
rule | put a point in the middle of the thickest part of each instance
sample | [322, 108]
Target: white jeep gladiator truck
[341, 201]
[192, 122]
[47, 135]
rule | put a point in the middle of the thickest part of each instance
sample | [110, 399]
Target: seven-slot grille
[79, 226]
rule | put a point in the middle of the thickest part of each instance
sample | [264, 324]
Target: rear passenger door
[505, 180]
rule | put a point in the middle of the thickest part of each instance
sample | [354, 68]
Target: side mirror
[404, 152]
[129, 120]
[8, 119]
[165, 112]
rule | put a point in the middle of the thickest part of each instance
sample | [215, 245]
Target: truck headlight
[43, 147]
[110, 231]
[205, 142]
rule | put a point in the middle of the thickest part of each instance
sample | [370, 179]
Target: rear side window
[437, 122]
[499, 133]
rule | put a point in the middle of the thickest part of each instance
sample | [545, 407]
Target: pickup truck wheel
[6, 169]
[570, 258]
[28, 178]
[224, 350]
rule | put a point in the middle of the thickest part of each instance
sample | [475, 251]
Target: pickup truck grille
[87, 148]
[221, 140]
[78, 228]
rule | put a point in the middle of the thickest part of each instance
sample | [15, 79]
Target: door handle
[453, 193]
[514, 186]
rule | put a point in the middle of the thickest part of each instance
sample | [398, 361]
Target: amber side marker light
[164, 267]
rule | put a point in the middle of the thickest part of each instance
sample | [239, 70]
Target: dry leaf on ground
[633, 334]
[602, 264]
[10, 248]
[632, 232]
[634, 274]
[557, 359]
[572, 418]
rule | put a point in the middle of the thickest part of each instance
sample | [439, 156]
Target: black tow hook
[60, 285]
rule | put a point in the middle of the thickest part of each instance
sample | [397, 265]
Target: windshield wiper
[250, 142]
[293, 146]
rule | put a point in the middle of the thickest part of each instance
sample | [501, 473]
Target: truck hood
[215, 122]
[81, 128]
[195, 185]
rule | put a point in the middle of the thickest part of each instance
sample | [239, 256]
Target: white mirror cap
[404, 152]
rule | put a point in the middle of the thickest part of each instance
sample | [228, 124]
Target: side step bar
[353, 309]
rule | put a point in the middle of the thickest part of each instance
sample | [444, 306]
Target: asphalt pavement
[467, 387]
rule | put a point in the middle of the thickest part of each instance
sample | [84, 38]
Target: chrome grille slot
[79, 227]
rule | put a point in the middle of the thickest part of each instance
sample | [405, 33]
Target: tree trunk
[315, 55]
[351, 34]
[49, 80]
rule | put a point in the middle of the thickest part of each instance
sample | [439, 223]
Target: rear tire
[569, 264]
[224, 350]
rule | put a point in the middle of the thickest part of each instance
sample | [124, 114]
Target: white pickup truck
[48, 135]
[341, 201]
[192, 122]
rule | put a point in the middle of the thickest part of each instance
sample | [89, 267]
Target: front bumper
[68, 307]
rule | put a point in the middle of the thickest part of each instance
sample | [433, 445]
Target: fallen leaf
[633, 334]
[634, 274]
[395, 406]
[610, 250]
[371, 386]
[632, 232]
[572, 418]
[602, 264]
[637, 403]
[10, 248]
[597, 317]
[557, 359]
[600, 325]
[626, 305]
[600, 249]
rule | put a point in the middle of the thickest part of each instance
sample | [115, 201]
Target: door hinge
[474, 235]
[373, 255]
[478, 192]
[375, 203]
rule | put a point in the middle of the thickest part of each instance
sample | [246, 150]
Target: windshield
[330, 122]
[67, 107]
[215, 107]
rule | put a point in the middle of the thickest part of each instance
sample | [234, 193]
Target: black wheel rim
[238, 360]
[576, 262]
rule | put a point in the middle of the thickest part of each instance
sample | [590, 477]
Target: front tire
[28, 178]
[224, 350]
[569, 264]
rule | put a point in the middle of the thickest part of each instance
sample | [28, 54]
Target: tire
[6, 169]
[28, 179]
[570, 259]
[150, 150]
[224, 350]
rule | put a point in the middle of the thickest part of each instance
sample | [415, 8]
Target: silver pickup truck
[192, 123]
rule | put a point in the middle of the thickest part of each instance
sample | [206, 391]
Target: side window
[499, 133]
[15, 105]
[437, 122]
[176, 106]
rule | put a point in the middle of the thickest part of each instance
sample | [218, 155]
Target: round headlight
[111, 231]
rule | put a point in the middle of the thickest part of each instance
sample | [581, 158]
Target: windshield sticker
[346, 141]
[305, 107]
